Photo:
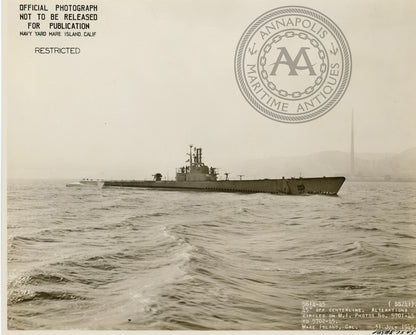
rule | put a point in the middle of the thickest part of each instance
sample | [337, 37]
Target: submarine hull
[293, 186]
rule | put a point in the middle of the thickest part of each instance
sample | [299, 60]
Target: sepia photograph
[209, 166]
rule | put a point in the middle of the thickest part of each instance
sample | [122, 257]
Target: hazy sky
[159, 76]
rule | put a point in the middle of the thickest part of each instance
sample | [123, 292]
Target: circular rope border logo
[295, 90]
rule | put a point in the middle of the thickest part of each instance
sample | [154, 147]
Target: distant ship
[86, 182]
[198, 176]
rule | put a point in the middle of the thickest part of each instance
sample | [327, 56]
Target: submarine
[198, 176]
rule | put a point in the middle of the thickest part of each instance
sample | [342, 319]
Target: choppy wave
[142, 259]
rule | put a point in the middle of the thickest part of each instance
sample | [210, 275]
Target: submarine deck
[293, 186]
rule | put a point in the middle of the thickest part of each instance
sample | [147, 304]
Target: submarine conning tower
[196, 170]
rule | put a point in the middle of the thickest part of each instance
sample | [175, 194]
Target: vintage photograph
[209, 165]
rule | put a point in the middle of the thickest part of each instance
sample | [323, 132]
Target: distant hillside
[331, 163]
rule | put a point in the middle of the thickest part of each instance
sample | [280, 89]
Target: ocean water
[134, 259]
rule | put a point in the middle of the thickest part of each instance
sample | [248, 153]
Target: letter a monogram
[284, 58]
